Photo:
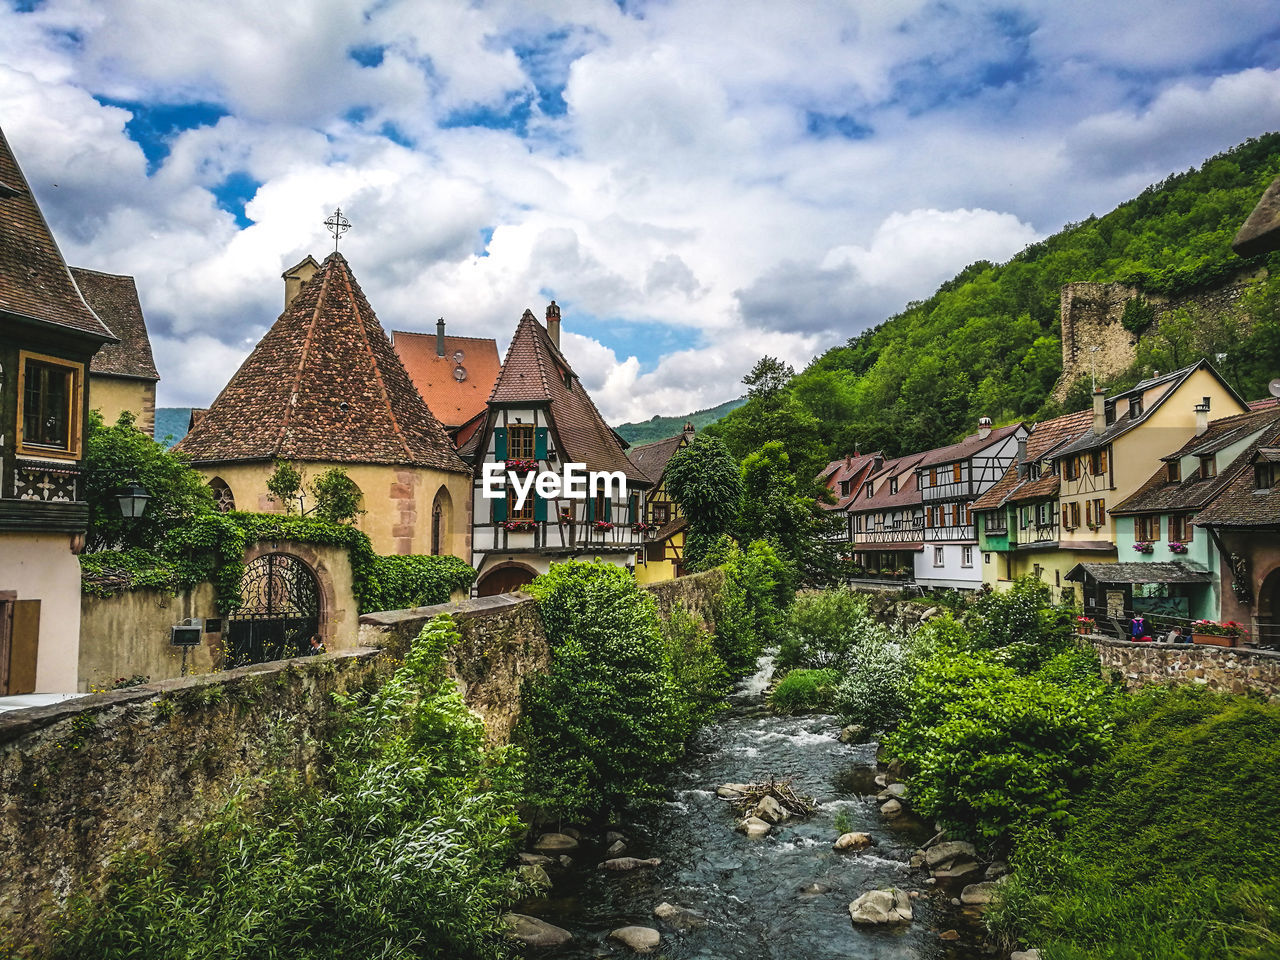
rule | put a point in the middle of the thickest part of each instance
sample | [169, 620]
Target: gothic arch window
[223, 500]
[441, 508]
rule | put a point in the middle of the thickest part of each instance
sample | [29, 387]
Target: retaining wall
[1224, 669]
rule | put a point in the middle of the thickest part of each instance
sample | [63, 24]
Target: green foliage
[403, 582]
[843, 823]
[106, 573]
[749, 611]
[604, 721]
[700, 677]
[1173, 848]
[1020, 622]
[285, 484]
[121, 454]
[400, 855]
[659, 428]
[1138, 315]
[822, 628]
[876, 687]
[336, 496]
[803, 690]
[703, 478]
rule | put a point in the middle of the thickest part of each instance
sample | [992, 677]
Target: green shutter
[500, 443]
[608, 508]
[633, 502]
[539, 507]
[591, 508]
[499, 508]
[540, 443]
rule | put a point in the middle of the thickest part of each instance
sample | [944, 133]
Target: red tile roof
[904, 468]
[853, 469]
[454, 401]
[967, 447]
[535, 372]
[1240, 503]
[323, 385]
[1044, 438]
[652, 458]
[114, 298]
[34, 280]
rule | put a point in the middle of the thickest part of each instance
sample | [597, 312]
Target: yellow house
[122, 376]
[324, 388]
[662, 557]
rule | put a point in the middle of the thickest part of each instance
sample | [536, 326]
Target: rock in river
[854, 841]
[629, 863]
[732, 791]
[891, 808]
[881, 906]
[979, 894]
[616, 849]
[952, 858]
[535, 859]
[853, 733]
[638, 939]
[534, 875]
[770, 810]
[682, 918]
[555, 843]
[534, 932]
[753, 827]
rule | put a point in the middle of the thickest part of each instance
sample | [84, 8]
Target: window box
[1213, 634]
[521, 466]
[1176, 547]
[1143, 546]
[520, 525]
[603, 524]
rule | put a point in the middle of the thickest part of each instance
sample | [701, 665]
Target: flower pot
[1212, 640]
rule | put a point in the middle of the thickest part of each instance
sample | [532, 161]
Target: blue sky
[696, 182]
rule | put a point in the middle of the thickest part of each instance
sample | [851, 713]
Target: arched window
[440, 510]
[223, 500]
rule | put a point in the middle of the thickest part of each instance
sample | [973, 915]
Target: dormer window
[1266, 475]
[1174, 471]
[1135, 407]
[893, 484]
[1111, 413]
[1208, 466]
[1033, 470]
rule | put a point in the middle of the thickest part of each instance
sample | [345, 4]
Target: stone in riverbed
[682, 918]
[753, 827]
[891, 809]
[854, 841]
[949, 935]
[917, 860]
[534, 875]
[629, 863]
[616, 849]
[770, 810]
[732, 791]
[1025, 955]
[637, 939]
[853, 733]
[555, 843]
[949, 853]
[535, 859]
[814, 889]
[534, 932]
[979, 894]
[881, 906]
[565, 861]
[996, 870]
[572, 832]
[613, 836]
[881, 782]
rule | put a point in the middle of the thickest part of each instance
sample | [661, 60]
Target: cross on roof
[337, 224]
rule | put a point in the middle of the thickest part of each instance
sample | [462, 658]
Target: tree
[704, 480]
[120, 455]
[285, 484]
[768, 378]
[336, 496]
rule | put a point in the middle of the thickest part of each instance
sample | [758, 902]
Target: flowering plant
[521, 466]
[520, 524]
[1142, 546]
[603, 525]
[1176, 547]
[1214, 629]
[1086, 623]
[640, 526]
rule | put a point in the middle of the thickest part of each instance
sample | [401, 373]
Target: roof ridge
[302, 361]
[448, 336]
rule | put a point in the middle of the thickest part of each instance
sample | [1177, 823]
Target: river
[752, 891]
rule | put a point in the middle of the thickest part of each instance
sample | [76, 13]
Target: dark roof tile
[114, 298]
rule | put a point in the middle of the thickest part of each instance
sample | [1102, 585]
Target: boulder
[996, 870]
[534, 932]
[917, 860]
[853, 733]
[891, 809]
[854, 841]
[613, 836]
[534, 875]
[949, 935]
[881, 906]
[637, 939]
[572, 832]
[881, 781]
[958, 870]
[1025, 955]
[947, 852]
[616, 849]
[565, 860]
[629, 863]
[682, 918]
[732, 791]
[754, 827]
[555, 843]
[979, 894]
[536, 860]
[897, 790]
[769, 809]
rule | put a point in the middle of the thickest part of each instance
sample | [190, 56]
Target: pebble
[949, 935]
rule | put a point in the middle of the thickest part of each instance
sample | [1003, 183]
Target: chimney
[984, 427]
[1202, 416]
[688, 428]
[440, 337]
[553, 323]
[1022, 457]
[1099, 410]
[296, 276]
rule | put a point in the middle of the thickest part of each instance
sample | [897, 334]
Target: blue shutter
[499, 508]
[500, 443]
[540, 443]
[539, 507]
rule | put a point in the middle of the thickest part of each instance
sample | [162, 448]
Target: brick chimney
[984, 427]
[1099, 411]
[440, 337]
[553, 323]
[1202, 416]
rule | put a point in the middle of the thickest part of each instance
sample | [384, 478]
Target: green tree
[335, 496]
[285, 484]
[705, 481]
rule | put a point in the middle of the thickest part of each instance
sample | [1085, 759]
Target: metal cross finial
[337, 225]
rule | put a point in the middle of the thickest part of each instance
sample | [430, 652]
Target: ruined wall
[1223, 669]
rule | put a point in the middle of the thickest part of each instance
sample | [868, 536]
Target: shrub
[749, 610]
[402, 582]
[874, 692]
[804, 690]
[822, 628]
[700, 678]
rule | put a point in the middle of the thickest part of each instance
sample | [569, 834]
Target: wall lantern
[133, 500]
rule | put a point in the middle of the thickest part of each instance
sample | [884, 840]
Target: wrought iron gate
[280, 612]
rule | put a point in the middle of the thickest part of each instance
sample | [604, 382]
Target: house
[886, 522]
[122, 376]
[454, 375]
[950, 479]
[540, 418]
[843, 479]
[662, 556]
[48, 337]
[1158, 523]
[1018, 518]
[324, 388]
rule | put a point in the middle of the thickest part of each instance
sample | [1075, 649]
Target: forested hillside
[659, 428]
[987, 342]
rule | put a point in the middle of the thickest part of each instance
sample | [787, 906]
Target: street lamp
[133, 499]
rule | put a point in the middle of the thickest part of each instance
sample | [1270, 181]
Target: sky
[697, 183]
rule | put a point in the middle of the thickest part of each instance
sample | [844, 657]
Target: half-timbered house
[662, 556]
[886, 523]
[540, 418]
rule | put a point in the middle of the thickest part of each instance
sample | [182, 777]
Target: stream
[751, 892]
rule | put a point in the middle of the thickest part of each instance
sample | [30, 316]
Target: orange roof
[453, 401]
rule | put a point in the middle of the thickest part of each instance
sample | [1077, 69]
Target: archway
[441, 522]
[1269, 610]
[224, 500]
[279, 611]
[504, 578]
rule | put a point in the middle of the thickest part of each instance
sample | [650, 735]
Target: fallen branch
[750, 794]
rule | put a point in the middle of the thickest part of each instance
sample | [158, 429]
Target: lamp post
[133, 499]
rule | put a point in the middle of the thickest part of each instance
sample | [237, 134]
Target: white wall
[952, 573]
[41, 566]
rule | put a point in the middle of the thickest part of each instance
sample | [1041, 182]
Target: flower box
[1210, 633]
[1086, 625]
[603, 525]
[521, 466]
[1212, 640]
[1142, 546]
[1176, 547]
[518, 526]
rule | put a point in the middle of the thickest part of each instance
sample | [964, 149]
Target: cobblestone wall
[1224, 669]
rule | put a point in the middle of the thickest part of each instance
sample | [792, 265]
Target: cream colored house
[122, 376]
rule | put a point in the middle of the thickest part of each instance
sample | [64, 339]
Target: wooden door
[19, 645]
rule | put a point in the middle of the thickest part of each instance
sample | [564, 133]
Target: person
[1174, 635]
[316, 645]
[1184, 635]
[1138, 629]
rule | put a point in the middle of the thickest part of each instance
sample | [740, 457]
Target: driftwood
[750, 794]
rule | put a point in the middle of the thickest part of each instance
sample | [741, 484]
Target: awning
[1156, 572]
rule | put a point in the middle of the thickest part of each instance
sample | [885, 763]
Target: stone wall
[1223, 669]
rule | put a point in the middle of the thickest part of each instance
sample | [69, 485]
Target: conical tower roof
[324, 385]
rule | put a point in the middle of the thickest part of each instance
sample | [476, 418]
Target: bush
[874, 692]
[1022, 614]
[750, 609]
[804, 690]
[822, 628]
[403, 582]
[699, 675]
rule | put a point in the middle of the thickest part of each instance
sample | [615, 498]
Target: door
[279, 613]
[19, 644]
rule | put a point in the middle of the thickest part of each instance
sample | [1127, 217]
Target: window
[1096, 513]
[1044, 514]
[1071, 515]
[933, 476]
[1148, 528]
[520, 442]
[893, 484]
[955, 472]
[1208, 467]
[661, 512]
[986, 558]
[1174, 471]
[1073, 468]
[1265, 475]
[966, 556]
[857, 523]
[602, 507]
[1180, 528]
[1033, 470]
[1135, 407]
[844, 487]
[49, 393]
[968, 514]
[937, 556]
[223, 500]
[525, 512]
[1098, 462]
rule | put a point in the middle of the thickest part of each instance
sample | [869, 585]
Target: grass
[802, 690]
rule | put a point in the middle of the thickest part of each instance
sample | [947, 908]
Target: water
[752, 891]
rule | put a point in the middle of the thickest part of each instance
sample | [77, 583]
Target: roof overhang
[1119, 573]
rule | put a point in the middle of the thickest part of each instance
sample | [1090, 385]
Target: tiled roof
[323, 385]
[453, 401]
[1239, 504]
[1158, 495]
[904, 468]
[1044, 438]
[854, 469]
[1170, 571]
[967, 447]
[114, 298]
[34, 279]
[535, 372]
[652, 458]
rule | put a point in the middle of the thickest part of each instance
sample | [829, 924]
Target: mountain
[988, 342]
[172, 422]
[658, 428]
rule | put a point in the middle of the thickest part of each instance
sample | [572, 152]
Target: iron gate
[279, 613]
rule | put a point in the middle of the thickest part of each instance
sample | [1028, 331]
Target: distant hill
[172, 422]
[659, 428]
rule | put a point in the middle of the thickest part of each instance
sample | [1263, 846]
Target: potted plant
[1143, 546]
[519, 525]
[1213, 634]
[1176, 547]
[1086, 625]
[521, 466]
[640, 526]
[603, 525]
